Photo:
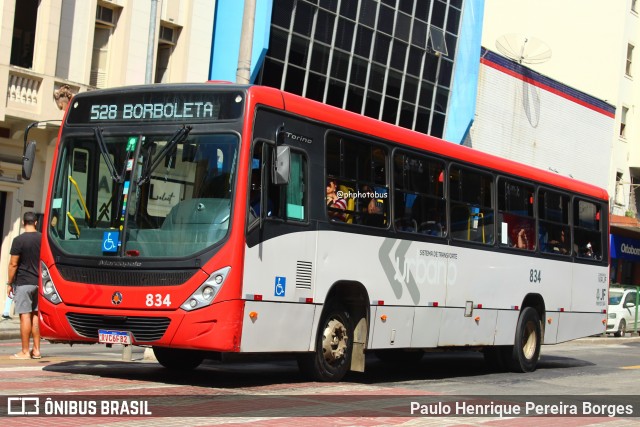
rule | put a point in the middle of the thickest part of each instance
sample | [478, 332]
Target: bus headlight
[49, 290]
[206, 293]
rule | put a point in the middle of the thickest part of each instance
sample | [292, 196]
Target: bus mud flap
[359, 342]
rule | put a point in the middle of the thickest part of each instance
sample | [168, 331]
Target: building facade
[53, 49]
[392, 60]
[590, 48]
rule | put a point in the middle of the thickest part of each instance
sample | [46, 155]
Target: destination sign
[156, 106]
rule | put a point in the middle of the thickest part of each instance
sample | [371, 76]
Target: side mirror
[281, 165]
[28, 159]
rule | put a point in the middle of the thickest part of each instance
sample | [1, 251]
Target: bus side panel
[277, 326]
[392, 327]
[578, 325]
[590, 284]
[550, 323]
[506, 327]
[456, 329]
[281, 267]
[425, 327]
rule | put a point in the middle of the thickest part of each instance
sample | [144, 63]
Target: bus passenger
[522, 241]
[336, 205]
[558, 245]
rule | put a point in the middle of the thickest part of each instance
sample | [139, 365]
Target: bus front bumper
[216, 328]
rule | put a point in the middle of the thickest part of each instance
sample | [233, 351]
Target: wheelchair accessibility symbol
[110, 241]
[280, 286]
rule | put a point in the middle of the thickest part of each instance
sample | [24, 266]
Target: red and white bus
[194, 219]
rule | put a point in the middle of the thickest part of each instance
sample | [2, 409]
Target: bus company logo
[298, 138]
[426, 267]
[116, 298]
[629, 249]
[23, 406]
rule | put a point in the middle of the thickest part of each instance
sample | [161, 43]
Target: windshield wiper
[178, 137]
[105, 155]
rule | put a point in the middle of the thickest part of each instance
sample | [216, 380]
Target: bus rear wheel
[526, 348]
[178, 359]
[331, 359]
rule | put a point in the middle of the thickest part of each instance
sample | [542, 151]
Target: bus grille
[143, 329]
[124, 277]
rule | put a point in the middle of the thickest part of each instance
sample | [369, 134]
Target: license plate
[114, 337]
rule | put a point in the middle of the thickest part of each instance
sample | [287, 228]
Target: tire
[400, 357]
[331, 359]
[526, 347]
[178, 359]
[622, 329]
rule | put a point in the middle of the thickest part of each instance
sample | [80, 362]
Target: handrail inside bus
[75, 224]
[82, 202]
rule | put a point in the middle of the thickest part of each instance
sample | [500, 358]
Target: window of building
[357, 174]
[517, 226]
[167, 39]
[623, 122]
[628, 68]
[619, 192]
[438, 44]
[106, 18]
[553, 214]
[24, 30]
[420, 206]
[471, 195]
[366, 50]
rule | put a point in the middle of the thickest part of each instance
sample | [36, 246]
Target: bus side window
[357, 181]
[553, 213]
[419, 202]
[587, 234]
[297, 188]
[472, 215]
[293, 195]
[515, 214]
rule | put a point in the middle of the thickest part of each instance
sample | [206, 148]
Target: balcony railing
[35, 96]
[23, 88]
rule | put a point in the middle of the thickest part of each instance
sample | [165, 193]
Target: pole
[243, 72]
[151, 42]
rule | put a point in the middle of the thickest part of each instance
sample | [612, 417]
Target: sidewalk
[10, 328]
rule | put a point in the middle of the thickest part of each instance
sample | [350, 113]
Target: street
[256, 392]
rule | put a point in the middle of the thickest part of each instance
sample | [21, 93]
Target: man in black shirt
[23, 276]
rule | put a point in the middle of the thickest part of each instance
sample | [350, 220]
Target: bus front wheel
[331, 359]
[178, 359]
[526, 348]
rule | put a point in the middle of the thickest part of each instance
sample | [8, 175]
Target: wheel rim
[334, 342]
[530, 340]
[623, 327]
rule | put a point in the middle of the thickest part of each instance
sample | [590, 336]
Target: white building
[572, 61]
[51, 49]
[525, 116]
[592, 46]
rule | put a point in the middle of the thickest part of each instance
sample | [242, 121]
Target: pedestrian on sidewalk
[23, 276]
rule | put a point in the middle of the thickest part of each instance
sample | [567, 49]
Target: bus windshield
[143, 195]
